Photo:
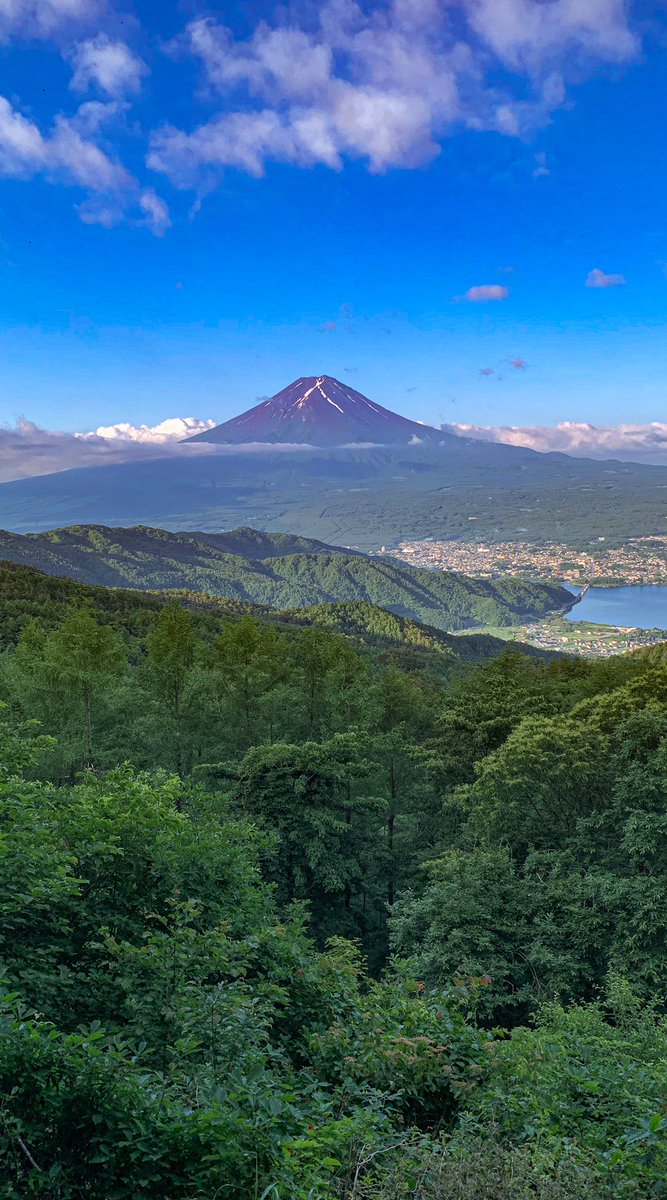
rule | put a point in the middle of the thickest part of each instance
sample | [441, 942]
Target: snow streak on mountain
[321, 411]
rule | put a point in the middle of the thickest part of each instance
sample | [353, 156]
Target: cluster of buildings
[641, 560]
[596, 641]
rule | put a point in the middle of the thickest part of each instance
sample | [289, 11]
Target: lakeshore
[643, 607]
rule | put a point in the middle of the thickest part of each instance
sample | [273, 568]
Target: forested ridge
[308, 905]
[278, 570]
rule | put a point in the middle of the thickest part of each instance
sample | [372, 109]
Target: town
[581, 637]
[642, 560]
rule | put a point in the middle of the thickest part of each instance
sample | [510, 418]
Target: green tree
[401, 713]
[251, 660]
[530, 792]
[73, 664]
[314, 797]
[171, 650]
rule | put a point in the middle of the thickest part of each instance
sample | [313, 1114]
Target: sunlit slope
[249, 566]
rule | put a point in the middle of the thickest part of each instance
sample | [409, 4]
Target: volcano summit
[321, 411]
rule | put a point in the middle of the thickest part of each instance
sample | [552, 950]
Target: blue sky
[191, 217]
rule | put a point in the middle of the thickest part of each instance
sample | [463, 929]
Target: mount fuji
[321, 411]
[325, 462]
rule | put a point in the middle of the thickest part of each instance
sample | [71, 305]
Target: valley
[561, 635]
[278, 571]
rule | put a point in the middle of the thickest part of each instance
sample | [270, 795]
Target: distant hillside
[380, 628]
[362, 496]
[28, 594]
[279, 571]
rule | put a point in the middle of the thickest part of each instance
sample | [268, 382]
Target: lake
[641, 607]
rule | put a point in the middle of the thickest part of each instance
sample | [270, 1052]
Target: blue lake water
[640, 607]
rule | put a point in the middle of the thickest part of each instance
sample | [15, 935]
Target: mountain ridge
[26, 593]
[154, 559]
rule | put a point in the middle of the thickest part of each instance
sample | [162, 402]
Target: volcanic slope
[390, 480]
[321, 411]
[246, 565]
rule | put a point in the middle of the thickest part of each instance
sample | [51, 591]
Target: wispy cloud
[68, 154]
[62, 152]
[74, 151]
[46, 18]
[634, 443]
[27, 450]
[384, 84]
[106, 64]
[485, 292]
[599, 279]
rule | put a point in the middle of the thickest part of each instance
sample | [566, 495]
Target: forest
[319, 906]
[280, 571]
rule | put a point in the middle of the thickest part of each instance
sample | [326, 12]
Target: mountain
[27, 594]
[321, 411]
[149, 559]
[391, 480]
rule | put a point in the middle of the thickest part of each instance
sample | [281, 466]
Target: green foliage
[551, 872]
[278, 570]
[194, 929]
[81, 1116]
[483, 1167]
[69, 667]
[412, 1043]
[593, 1077]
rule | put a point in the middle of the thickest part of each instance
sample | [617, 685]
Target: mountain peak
[319, 410]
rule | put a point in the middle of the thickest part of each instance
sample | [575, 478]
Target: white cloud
[156, 216]
[485, 292]
[173, 429]
[633, 443]
[598, 279]
[386, 83]
[383, 83]
[74, 150]
[25, 151]
[107, 64]
[527, 36]
[44, 18]
[27, 450]
[68, 154]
